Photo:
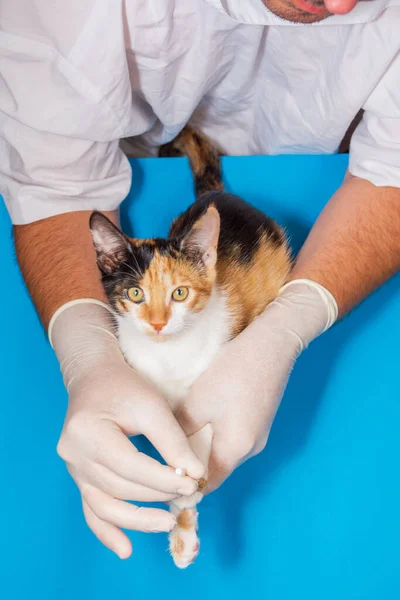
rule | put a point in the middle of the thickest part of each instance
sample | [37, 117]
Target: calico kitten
[178, 300]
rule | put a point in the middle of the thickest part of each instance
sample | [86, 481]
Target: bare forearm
[58, 262]
[354, 246]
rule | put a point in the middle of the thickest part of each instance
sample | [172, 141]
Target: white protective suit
[77, 76]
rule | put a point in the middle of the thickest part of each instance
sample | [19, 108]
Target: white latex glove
[241, 391]
[109, 401]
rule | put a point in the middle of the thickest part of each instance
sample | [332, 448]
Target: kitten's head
[160, 285]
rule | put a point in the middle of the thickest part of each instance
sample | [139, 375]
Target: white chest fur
[174, 365]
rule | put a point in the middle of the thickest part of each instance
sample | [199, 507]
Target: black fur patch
[242, 225]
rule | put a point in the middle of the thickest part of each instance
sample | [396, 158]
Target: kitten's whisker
[132, 269]
[136, 261]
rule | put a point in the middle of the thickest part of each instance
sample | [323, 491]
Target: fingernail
[196, 471]
[188, 489]
[165, 526]
[123, 554]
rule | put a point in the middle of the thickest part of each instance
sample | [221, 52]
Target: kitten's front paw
[184, 543]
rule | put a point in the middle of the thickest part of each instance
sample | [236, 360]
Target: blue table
[315, 517]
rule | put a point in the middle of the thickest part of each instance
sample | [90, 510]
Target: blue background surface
[315, 516]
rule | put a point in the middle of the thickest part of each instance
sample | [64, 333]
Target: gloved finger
[340, 7]
[218, 471]
[109, 535]
[120, 456]
[128, 516]
[114, 485]
[230, 449]
[189, 419]
[170, 440]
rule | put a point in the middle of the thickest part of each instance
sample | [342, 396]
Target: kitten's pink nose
[157, 326]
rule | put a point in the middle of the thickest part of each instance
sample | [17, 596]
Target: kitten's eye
[180, 294]
[136, 294]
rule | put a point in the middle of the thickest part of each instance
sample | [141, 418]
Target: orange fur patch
[250, 287]
[202, 484]
[178, 546]
[185, 520]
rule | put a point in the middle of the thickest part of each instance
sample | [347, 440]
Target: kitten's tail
[203, 157]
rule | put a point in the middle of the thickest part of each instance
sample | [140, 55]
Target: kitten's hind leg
[184, 542]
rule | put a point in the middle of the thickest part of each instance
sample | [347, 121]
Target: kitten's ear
[112, 247]
[203, 237]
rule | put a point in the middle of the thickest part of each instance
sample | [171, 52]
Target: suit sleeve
[375, 145]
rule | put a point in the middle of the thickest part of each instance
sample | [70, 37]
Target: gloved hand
[241, 391]
[109, 401]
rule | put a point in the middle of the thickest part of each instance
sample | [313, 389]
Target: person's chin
[290, 12]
